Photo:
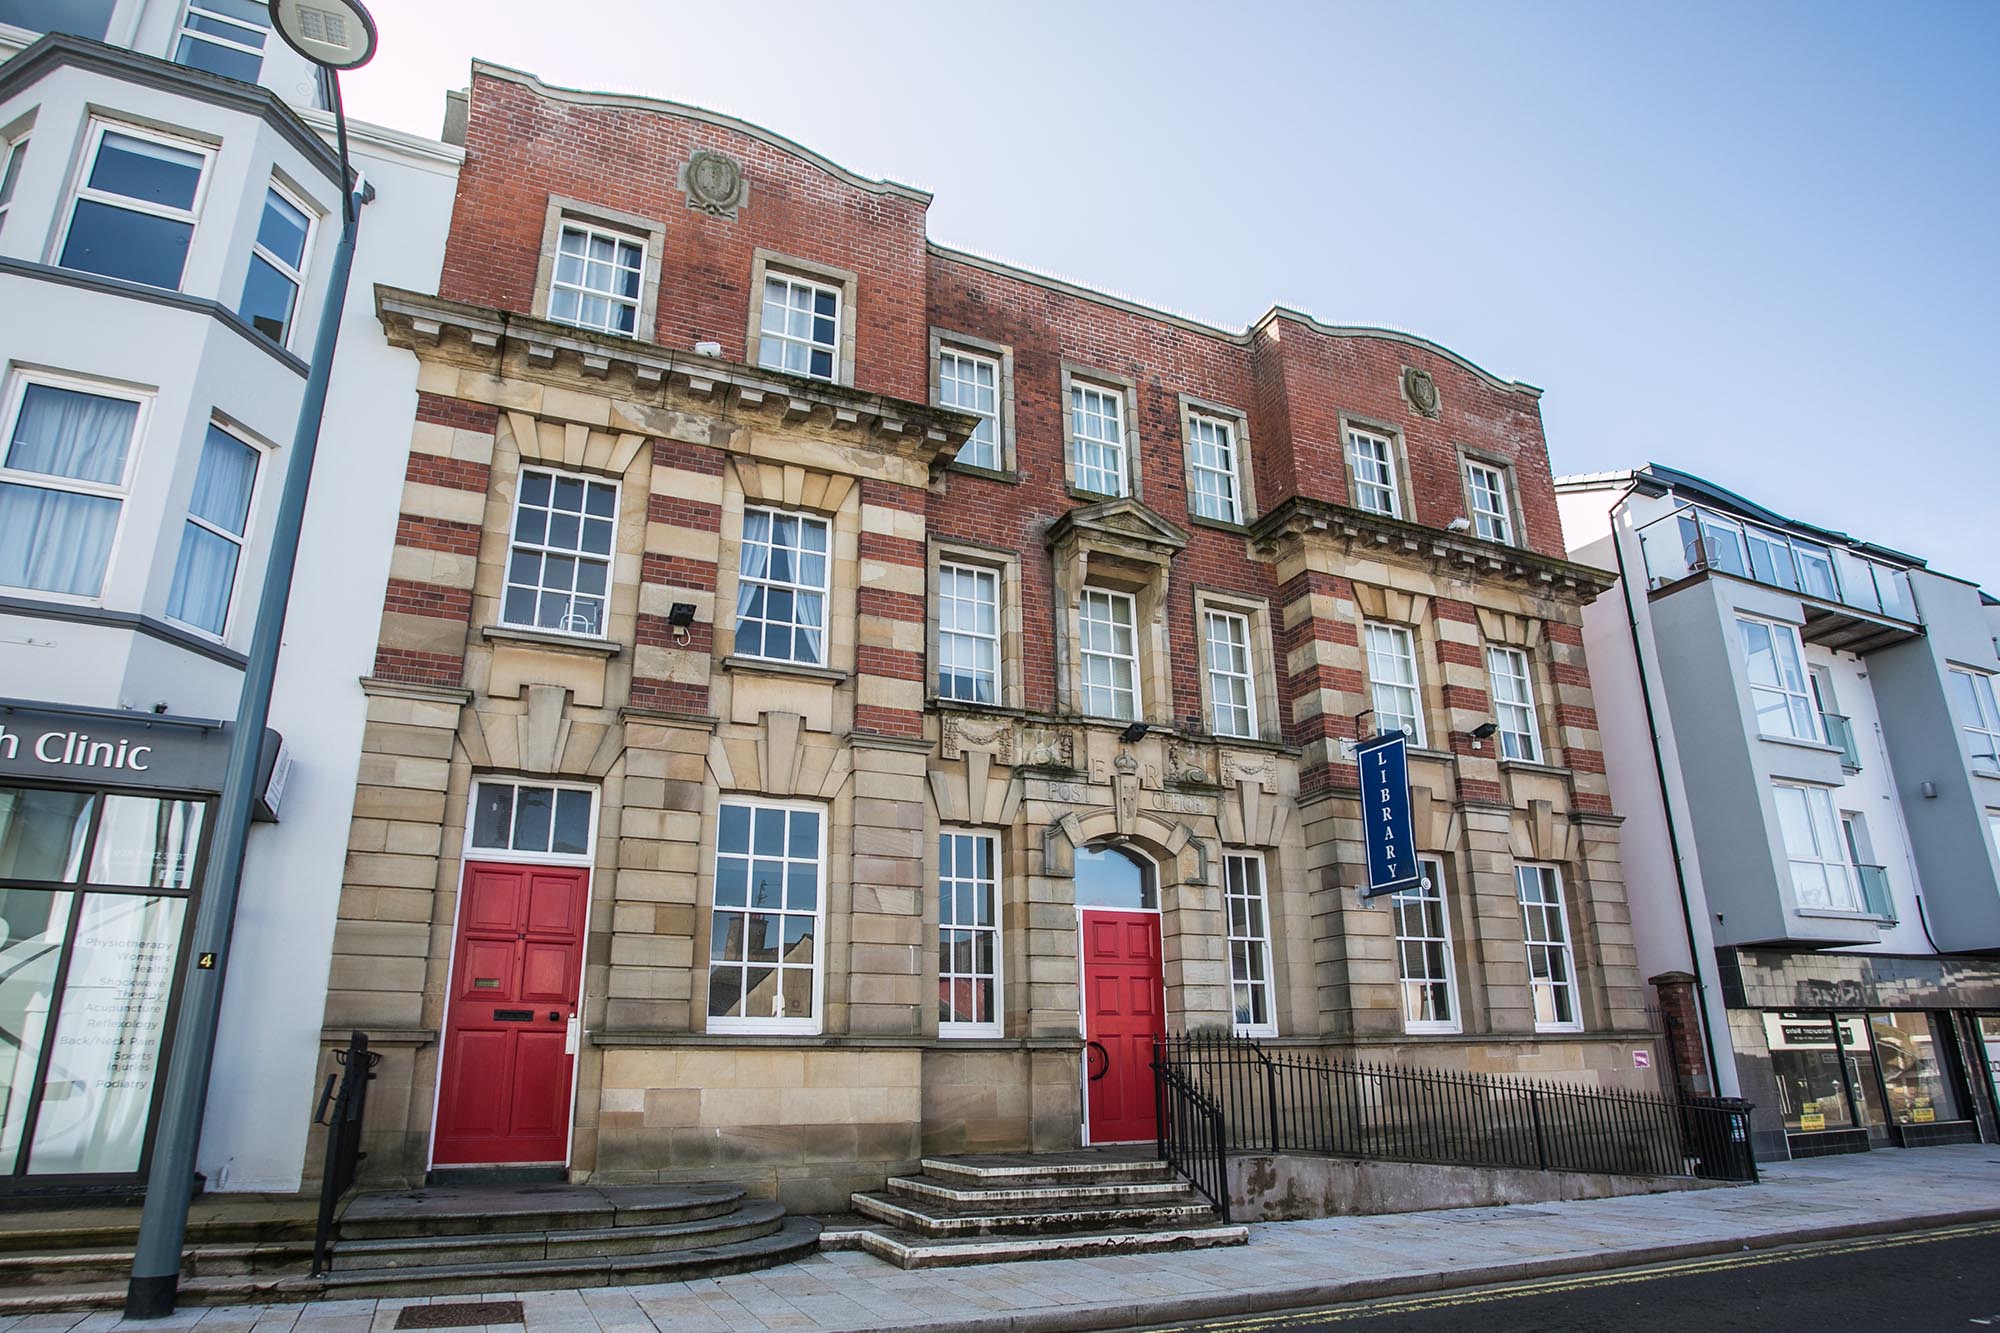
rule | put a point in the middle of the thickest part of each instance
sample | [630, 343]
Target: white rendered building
[169, 209]
[1801, 734]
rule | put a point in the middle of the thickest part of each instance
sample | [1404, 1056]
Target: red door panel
[503, 1093]
[1122, 981]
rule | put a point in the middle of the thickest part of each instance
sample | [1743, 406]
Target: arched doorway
[1124, 994]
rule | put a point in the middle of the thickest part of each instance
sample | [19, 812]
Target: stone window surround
[1537, 730]
[1073, 373]
[827, 980]
[765, 262]
[1410, 611]
[1148, 588]
[1004, 354]
[1013, 643]
[1581, 989]
[1263, 660]
[933, 911]
[496, 543]
[648, 232]
[843, 572]
[1246, 487]
[1449, 903]
[1518, 532]
[610, 561]
[1399, 460]
[1269, 1027]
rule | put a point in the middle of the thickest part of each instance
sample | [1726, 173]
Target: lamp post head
[336, 34]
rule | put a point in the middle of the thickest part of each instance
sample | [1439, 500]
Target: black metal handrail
[341, 1112]
[1192, 1137]
[1304, 1101]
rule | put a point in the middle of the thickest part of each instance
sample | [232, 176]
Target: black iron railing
[1302, 1101]
[341, 1110]
[1193, 1138]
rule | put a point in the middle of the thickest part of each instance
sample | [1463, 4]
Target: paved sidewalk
[1286, 1264]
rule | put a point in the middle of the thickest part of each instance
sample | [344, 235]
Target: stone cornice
[500, 342]
[1303, 519]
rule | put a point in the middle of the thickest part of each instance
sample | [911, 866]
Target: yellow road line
[1559, 1285]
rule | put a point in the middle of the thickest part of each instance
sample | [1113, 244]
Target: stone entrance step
[448, 1239]
[987, 1208]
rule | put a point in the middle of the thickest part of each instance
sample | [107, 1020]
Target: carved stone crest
[1186, 763]
[959, 735]
[1421, 390]
[714, 184]
[1055, 749]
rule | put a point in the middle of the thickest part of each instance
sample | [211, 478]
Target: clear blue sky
[1757, 242]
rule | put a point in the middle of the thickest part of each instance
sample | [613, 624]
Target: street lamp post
[335, 35]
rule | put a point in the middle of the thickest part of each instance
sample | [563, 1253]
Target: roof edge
[640, 102]
[1005, 269]
[1278, 312]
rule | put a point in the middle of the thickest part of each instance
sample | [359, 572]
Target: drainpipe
[1703, 966]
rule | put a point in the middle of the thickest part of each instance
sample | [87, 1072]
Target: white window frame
[1548, 881]
[242, 542]
[17, 394]
[1401, 650]
[1828, 854]
[824, 588]
[1244, 882]
[13, 159]
[813, 1022]
[981, 575]
[83, 191]
[1993, 830]
[475, 851]
[544, 550]
[1520, 730]
[620, 240]
[1108, 599]
[1985, 725]
[952, 388]
[947, 882]
[1416, 901]
[1076, 412]
[1225, 479]
[296, 276]
[1389, 486]
[184, 33]
[1246, 678]
[773, 342]
[1492, 520]
[1798, 699]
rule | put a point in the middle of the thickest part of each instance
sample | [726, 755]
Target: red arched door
[1124, 996]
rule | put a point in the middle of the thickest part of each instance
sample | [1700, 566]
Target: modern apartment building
[169, 207]
[837, 696]
[1801, 733]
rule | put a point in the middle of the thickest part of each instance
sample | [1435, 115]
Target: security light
[680, 615]
[1484, 730]
[1133, 732]
[1459, 525]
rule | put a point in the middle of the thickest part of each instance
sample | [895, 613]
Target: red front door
[1123, 1011]
[504, 1090]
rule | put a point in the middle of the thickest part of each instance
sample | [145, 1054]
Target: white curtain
[53, 540]
[756, 561]
[205, 574]
[811, 610]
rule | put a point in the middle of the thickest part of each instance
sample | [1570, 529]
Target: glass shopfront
[95, 888]
[1846, 1071]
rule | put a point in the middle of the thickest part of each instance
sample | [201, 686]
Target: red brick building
[752, 788]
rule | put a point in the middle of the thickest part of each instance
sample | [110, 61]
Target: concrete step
[757, 1217]
[923, 1187]
[797, 1238]
[910, 1250]
[1013, 1169]
[454, 1210]
[71, 1267]
[942, 1218]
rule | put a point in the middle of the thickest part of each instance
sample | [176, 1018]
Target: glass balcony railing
[1840, 732]
[1875, 899]
[1694, 538]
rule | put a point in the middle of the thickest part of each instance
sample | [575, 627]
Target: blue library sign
[1385, 815]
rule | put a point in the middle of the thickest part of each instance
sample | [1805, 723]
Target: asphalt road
[1946, 1279]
